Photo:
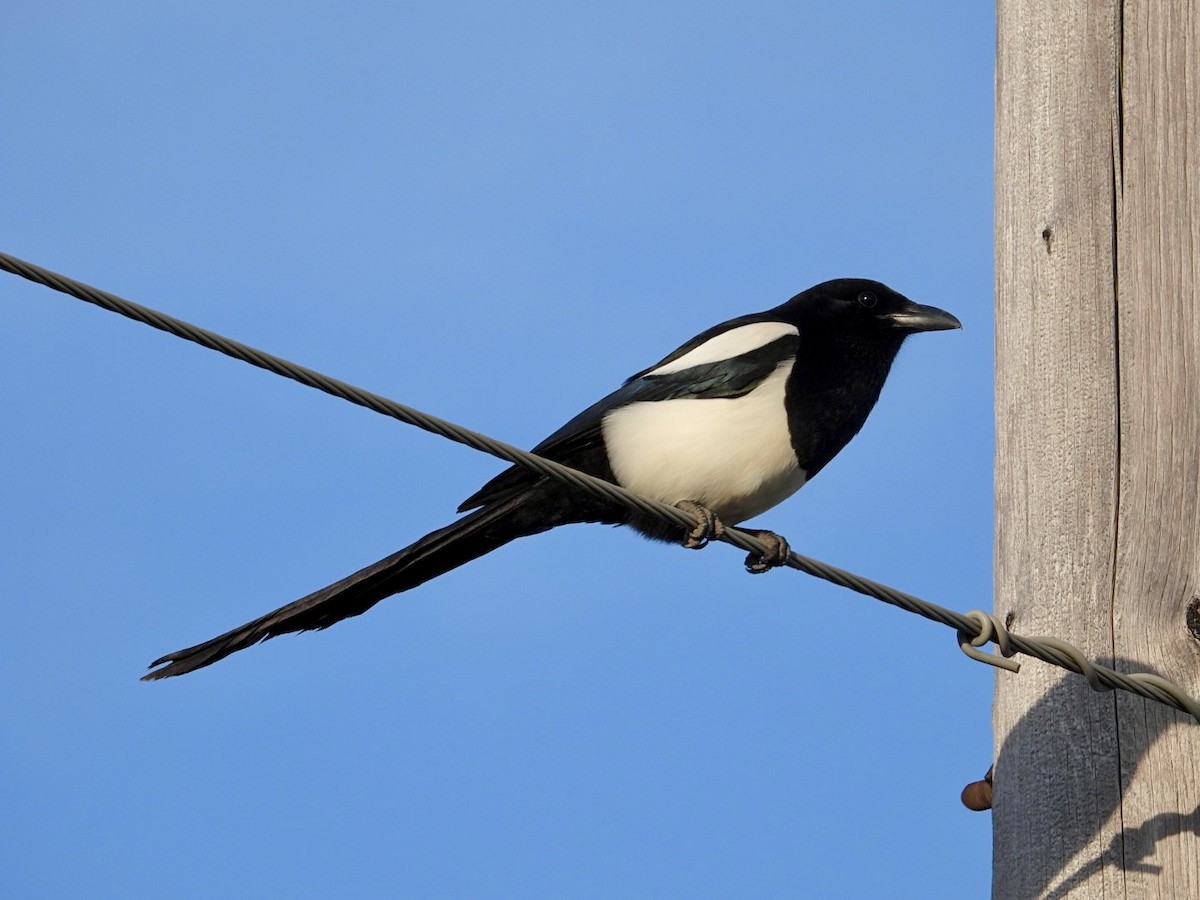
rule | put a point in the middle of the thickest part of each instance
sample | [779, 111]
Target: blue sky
[494, 212]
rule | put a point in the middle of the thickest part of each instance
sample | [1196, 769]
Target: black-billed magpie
[725, 427]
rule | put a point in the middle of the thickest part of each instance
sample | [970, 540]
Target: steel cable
[974, 629]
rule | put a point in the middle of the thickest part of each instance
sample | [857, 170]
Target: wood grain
[1098, 440]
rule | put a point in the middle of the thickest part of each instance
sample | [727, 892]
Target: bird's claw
[775, 553]
[708, 526]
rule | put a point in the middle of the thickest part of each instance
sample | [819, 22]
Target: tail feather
[435, 554]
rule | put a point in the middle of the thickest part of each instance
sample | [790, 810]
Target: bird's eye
[867, 300]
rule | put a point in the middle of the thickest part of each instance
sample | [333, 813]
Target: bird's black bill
[916, 317]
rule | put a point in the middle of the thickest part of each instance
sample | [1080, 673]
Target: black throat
[832, 389]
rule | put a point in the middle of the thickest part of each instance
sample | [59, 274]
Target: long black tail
[438, 552]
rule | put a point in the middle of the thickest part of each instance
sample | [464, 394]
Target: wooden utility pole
[1098, 441]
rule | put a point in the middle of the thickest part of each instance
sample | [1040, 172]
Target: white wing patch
[732, 454]
[727, 345]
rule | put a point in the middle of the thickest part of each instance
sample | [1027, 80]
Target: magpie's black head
[862, 308]
[850, 332]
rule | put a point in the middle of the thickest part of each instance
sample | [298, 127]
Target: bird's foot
[775, 553]
[708, 526]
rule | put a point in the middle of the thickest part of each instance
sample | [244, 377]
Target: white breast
[733, 455]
